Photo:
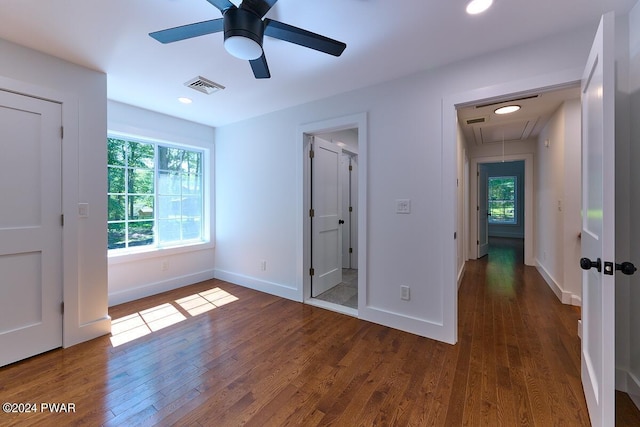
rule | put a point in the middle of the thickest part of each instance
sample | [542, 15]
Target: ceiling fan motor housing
[243, 23]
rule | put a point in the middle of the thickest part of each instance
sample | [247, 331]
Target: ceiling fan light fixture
[507, 109]
[475, 7]
[243, 47]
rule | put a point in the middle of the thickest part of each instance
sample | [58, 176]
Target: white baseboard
[277, 289]
[461, 273]
[149, 289]
[564, 296]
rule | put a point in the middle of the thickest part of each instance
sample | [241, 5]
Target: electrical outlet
[405, 293]
[164, 265]
[263, 265]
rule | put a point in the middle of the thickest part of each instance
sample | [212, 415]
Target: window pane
[141, 155]
[140, 233]
[169, 207]
[116, 208]
[116, 151]
[140, 207]
[141, 181]
[168, 183]
[116, 235]
[191, 184]
[191, 229]
[168, 231]
[170, 158]
[502, 200]
[191, 207]
[116, 180]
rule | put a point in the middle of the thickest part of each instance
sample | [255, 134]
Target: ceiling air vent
[204, 85]
[474, 121]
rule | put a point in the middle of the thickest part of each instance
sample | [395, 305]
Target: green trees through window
[502, 200]
[155, 194]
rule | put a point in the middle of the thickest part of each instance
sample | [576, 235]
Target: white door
[483, 210]
[598, 226]
[326, 230]
[347, 215]
[30, 227]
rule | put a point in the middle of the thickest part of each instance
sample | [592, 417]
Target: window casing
[503, 206]
[155, 194]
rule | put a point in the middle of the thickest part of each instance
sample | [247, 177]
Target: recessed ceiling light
[478, 6]
[507, 109]
[185, 100]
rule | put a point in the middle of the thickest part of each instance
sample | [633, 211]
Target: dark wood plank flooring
[255, 359]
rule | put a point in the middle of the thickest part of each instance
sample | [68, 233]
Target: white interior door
[598, 226]
[326, 231]
[483, 210]
[30, 227]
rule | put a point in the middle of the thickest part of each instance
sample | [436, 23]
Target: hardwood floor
[232, 356]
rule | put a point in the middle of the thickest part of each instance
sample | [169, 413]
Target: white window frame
[142, 252]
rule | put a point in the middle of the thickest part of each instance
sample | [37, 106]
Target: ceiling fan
[244, 29]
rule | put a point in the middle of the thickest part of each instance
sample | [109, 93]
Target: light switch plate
[403, 206]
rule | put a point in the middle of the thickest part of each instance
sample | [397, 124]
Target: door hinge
[311, 154]
[477, 208]
[62, 132]
[62, 307]
[62, 220]
[350, 208]
[350, 167]
[477, 173]
[455, 235]
[311, 213]
[477, 242]
[311, 271]
[350, 250]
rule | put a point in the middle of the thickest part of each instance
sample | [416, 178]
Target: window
[155, 194]
[502, 200]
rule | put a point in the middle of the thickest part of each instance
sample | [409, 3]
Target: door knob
[627, 268]
[340, 221]
[586, 264]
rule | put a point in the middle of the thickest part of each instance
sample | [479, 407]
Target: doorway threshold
[332, 306]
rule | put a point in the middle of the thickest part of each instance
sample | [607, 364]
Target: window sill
[132, 255]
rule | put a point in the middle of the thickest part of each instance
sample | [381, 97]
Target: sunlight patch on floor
[136, 325]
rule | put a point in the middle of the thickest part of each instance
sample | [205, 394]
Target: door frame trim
[303, 243]
[529, 258]
[449, 210]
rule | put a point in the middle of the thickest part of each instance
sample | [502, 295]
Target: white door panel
[30, 227]
[483, 210]
[326, 203]
[598, 226]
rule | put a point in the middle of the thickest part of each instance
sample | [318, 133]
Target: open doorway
[334, 177]
[501, 201]
[333, 191]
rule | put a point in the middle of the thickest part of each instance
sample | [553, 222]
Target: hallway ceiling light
[475, 7]
[185, 100]
[507, 109]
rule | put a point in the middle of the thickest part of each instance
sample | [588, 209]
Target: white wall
[631, 296]
[406, 159]
[82, 93]
[133, 276]
[558, 220]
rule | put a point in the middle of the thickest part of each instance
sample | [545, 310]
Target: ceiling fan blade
[259, 7]
[184, 32]
[260, 68]
[222, 5]
[305, 38]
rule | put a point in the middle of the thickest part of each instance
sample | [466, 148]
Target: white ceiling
[385, 40]
[481, 125]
